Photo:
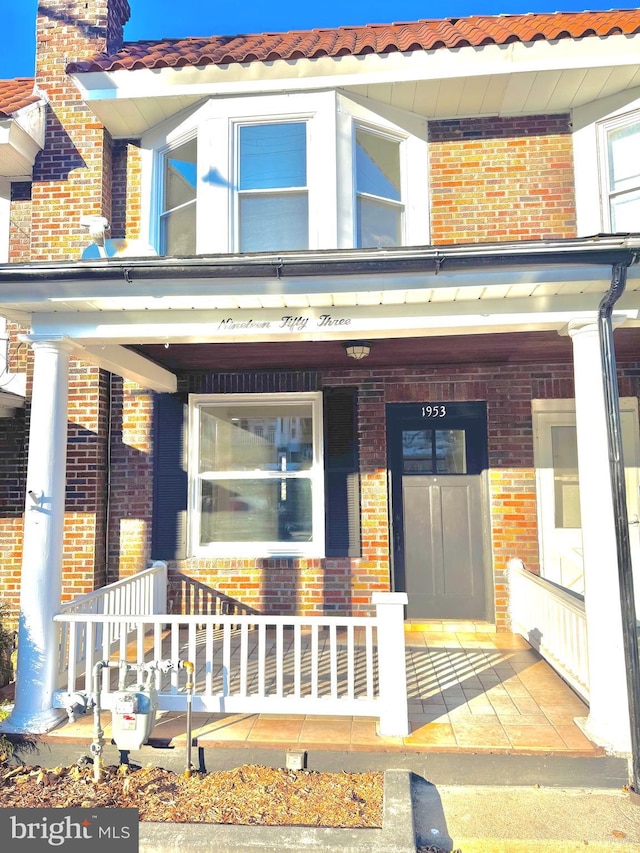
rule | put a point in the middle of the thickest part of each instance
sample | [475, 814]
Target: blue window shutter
[342, 473]
[169, 516]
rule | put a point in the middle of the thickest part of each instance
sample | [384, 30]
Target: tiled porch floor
[469, 691]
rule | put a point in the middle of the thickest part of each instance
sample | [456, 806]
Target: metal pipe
[616, 468]
[189, 668]
[97, 745]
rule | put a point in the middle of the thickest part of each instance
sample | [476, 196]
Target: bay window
[293, 172]
[256, 474]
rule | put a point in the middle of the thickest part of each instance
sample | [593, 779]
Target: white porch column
[608, 721]
[41, 579]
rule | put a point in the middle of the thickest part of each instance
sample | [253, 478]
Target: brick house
[342, 334]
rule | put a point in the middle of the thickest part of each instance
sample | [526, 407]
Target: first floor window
[256, 474]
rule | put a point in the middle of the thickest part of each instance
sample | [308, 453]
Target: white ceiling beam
[130, 365]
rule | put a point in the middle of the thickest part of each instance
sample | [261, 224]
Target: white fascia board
[305, 74]
[320, 323]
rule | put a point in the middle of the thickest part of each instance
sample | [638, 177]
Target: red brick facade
[491, 179]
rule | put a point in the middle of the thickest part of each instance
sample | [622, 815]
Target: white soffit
[492, 80]
[197, 309]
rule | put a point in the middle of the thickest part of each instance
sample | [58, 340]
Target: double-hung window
[178, 200]
[623, 175]
[273, 200]
[379, 208]
[257, 475]
[277, 173]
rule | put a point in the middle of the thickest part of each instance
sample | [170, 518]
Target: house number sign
[437, 411]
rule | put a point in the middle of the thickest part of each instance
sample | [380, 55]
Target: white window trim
[604, 129]
[311, 550]
[401, 140]
[5, 207]
[587, 122]
[331, 121]
[158, 184]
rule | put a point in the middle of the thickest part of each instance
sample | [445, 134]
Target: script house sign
[286, 323]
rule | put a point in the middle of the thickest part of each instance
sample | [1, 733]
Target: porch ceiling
[521, 347]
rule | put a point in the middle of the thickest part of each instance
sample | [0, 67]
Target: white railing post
[159, 595]
[392, 669]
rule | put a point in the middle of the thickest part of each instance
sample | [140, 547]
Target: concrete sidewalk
[498, 819]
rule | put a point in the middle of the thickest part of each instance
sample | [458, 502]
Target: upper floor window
[623, 175]
[178, 205]
[290, 172]
[378, 190]
[273, 199]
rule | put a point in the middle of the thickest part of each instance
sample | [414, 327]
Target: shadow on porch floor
[469, 691]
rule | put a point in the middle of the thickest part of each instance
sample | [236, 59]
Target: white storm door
[556, 462]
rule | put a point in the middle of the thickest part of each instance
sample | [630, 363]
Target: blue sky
[156, 19]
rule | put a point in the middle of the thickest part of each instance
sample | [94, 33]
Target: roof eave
[108, 92]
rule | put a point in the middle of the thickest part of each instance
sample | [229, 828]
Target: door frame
[463, 410]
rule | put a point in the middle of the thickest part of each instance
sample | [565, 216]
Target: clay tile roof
[16, 94]
[475, 31]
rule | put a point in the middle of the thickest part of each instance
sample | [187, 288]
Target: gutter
[605, 250]
[618, 489]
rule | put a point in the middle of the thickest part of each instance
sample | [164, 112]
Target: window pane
[180, 175]
[450, 451]
[273, 155]
[379, 224]
[564, 450]
[268, 510]
[624, 158]
[178, 231]
[377, 165]
[625, 211]
[417, 451]
[273, 223]
[247, 438]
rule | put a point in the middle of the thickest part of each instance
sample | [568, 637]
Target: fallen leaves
[250, 794]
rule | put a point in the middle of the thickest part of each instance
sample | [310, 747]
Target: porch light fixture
[357, 349]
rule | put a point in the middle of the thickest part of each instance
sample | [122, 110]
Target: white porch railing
[353, 666]
[553, 620]
[141, 594]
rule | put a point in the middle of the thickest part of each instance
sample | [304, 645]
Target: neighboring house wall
[501, 179]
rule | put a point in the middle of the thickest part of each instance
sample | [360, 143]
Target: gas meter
[134, 715]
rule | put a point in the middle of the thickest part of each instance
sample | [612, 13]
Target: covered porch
[469, 689]
[106, 314]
